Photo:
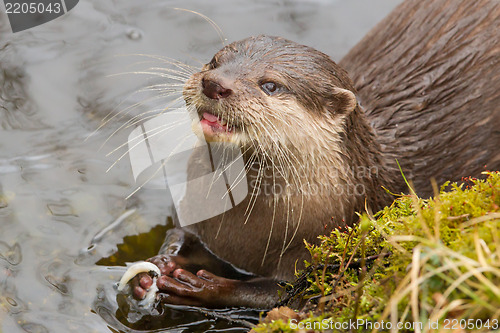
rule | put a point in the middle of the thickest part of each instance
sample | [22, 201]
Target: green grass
[432, 262]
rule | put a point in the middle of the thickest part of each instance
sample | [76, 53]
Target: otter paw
[202, 289]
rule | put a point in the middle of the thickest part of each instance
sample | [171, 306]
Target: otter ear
[345, 100]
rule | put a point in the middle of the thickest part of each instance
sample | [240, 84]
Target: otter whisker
[172, 102]
[280, 156]
[156, 71]
[148, 133]
[183, 75]
[210, 21]
[239, 177]
[179, 69]
[253, 197]
[287, 223]
[220, 224]
[147, 115]
[148, 101]
[275, 204]
[126, 124]
[170, 61]
[280, 149]
[165, 88]
[127, 110]
[297, 227]
[154, 74]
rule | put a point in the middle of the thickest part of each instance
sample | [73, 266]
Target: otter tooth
[223, 122]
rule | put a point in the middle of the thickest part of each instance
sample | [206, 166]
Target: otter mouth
[212, 124]
[214, 127]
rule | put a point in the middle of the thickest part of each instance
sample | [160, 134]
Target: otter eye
[269, 88]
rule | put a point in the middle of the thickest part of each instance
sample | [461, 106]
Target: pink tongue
[211, 124]
[210, 117]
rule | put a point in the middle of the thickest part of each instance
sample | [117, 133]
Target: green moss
[418, 261]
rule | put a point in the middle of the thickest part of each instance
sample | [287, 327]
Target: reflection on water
[61, 211]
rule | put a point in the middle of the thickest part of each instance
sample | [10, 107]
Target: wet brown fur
[428, 77]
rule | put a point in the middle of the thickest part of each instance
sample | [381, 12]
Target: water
[57, 199]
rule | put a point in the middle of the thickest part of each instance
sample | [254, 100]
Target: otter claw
[141, 267]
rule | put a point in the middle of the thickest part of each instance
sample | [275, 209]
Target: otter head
[268, 94]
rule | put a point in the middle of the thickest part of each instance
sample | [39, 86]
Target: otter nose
[214, 90]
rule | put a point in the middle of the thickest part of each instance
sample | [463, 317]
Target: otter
[321, 140]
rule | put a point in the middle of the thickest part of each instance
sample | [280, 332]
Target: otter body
[318, 146]
[428, 77]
